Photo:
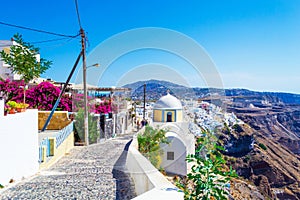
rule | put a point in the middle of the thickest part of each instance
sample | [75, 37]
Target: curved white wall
[178, 165]
[149, 182]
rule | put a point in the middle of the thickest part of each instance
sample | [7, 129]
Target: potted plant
[25, 106]
[12, 105]
[21, 107]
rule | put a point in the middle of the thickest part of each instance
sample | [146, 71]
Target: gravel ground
[93, 172]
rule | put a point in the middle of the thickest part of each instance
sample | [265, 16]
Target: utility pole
[86, 114]
[135, 118]
[144, 102]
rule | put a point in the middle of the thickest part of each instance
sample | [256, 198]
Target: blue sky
[253, 43]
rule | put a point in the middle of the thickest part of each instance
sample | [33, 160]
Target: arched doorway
[169, 117]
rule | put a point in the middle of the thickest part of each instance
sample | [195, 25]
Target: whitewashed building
[168, 114]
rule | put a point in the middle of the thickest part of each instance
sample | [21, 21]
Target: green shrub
[94, 133]
[261, 145]
[246, 158]
[149, 144]
[226, 129]
[237, 128]
[12, 104]
[208, 176]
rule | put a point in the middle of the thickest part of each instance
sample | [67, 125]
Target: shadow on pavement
[124, 184]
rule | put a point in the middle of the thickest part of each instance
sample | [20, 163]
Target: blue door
[169, 117]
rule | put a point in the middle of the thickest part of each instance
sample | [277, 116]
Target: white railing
[63, 134]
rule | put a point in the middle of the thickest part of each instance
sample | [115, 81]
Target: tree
[23, 61]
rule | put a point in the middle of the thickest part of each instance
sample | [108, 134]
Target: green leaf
[208, 176]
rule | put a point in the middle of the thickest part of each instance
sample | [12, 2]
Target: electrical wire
[82, 32]
[47, 41]
[38, 30]
[52, 40]
[59, 44]
[87, 41]
[78, 16]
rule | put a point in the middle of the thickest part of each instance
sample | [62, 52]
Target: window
[170, 155]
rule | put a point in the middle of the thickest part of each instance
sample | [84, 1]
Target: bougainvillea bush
[103, 107]
[94, 107]
[77, 102]
[44, 96]
[12, 90]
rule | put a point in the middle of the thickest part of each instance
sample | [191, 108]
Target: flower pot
[12, 111]
[20, 109]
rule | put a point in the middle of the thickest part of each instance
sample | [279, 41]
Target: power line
[59, 44]
[78, 16]
[52, 40]
[47, 41]
[38, 30]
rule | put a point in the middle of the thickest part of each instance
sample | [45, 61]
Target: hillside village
[118, 116]
[197, 116]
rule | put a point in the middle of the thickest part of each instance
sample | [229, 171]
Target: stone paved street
[93, 172]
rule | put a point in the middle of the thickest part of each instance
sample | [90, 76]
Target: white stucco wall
[149, 182]
[1, 108]
[178, 165]
[138, 167]
[18, 145]
[5, 72]
[182, 143]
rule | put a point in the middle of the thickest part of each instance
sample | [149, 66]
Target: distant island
[157, 88]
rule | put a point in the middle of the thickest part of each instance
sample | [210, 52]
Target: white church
[168, 114]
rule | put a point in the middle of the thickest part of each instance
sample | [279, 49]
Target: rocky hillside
[281, 125]
[271, 164]
[267, 169]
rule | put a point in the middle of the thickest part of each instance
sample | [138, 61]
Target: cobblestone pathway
[93, 172]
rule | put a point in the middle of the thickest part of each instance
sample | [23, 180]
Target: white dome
[168, 102]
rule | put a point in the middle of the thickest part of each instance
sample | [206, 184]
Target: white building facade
[5, 72]
[168, 114]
